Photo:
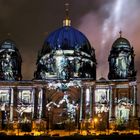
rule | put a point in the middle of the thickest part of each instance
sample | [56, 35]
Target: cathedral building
[64, 89]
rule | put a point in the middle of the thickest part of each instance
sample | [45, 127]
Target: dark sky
[29, 22]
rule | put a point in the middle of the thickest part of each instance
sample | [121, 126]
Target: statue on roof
[7, 67]
[122, 64]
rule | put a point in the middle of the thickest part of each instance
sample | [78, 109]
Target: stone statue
[7, 67]
[122, 64]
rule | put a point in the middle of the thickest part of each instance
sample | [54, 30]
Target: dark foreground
[78, 137]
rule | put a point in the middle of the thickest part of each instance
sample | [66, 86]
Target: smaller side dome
[10, 61]
[121, 60]
[121, 44]
[8, 44]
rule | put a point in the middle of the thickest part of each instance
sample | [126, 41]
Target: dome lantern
[67, 21]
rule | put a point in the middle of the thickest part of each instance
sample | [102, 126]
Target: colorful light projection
[101, 100]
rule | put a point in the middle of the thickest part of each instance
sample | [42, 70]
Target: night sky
[30, 21]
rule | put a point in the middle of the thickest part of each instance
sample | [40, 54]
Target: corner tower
[10, 61]
[121, 60]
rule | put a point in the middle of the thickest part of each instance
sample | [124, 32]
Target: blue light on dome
[67, 38]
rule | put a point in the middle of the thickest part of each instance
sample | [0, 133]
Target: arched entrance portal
[62, 108]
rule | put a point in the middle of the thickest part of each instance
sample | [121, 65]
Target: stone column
[94, 105]
[36, 94]
[11, 104]
[116, 104]
[32, 102]
[134, 100]
[81, 104]
[15, 101]
[110, 103]
[44, 102]
[40, 102]
[91, 102]
[114, 92]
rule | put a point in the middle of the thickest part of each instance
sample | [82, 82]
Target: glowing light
[95, 120]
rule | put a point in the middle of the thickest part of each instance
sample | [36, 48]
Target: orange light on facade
[95, 120]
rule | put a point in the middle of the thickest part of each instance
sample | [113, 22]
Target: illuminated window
[25, 97]
[4, 96]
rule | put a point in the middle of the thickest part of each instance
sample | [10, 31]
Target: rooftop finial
[120, 32]
[67, 10]
[67, 21]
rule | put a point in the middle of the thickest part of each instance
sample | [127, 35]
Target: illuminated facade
[64, 89]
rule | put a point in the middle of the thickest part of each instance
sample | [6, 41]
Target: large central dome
[121, 43]
[66, 54]
[66, 38]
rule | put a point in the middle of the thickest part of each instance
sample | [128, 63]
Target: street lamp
[95, 120]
